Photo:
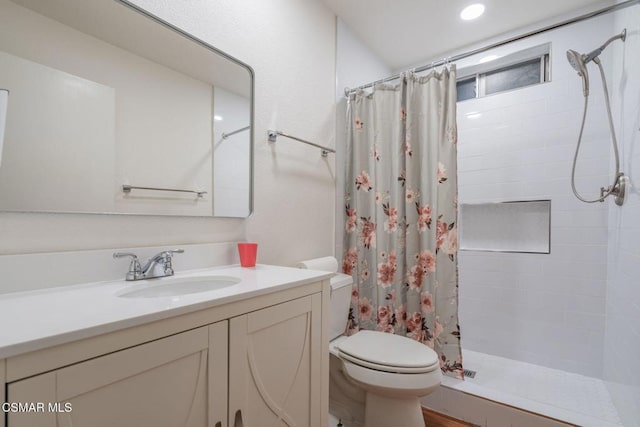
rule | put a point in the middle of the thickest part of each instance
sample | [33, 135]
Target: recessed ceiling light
[217, 118]
[488, 59]
[472, 11]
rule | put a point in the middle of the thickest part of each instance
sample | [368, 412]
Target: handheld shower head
[579, 61]
[576, 60]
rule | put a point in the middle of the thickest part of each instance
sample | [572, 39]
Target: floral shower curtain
[401, 210]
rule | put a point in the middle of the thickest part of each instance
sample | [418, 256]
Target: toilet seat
[388, 353]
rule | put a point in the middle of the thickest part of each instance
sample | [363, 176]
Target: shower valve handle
[603, 191]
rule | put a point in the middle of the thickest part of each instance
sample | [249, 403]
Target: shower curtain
[401, 209]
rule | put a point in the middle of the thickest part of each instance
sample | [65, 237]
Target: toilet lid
[388, 352]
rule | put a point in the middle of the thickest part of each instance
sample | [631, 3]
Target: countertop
[39, 319]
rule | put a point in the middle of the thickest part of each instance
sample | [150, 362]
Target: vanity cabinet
[274, 365]
[265, 366]
[170, 382]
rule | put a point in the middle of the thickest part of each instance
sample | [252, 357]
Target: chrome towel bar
[127, 189]
[273, 135]
[227, 135]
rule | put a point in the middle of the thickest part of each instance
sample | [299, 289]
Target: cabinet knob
[238, 419]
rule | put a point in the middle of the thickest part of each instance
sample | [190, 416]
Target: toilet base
[383, 411]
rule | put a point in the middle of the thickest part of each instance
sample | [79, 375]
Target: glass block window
[521, 69]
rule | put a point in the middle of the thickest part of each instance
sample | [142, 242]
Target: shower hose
[614, 142]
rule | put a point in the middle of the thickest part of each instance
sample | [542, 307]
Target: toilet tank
[339, 304]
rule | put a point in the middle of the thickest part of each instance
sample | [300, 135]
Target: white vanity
[246, 354]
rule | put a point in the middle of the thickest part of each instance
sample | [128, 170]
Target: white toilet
[376, 378]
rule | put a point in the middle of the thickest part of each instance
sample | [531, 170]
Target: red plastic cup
[248, 252]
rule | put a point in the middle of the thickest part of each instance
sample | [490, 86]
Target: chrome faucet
[137, 272]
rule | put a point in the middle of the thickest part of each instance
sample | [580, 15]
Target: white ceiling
[404, 32]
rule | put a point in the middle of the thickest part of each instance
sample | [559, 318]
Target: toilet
[376, 378]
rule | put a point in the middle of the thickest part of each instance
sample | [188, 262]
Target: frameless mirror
[112, 110]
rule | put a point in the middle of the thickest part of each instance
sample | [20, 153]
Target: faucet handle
[135, 269]
[168, 266]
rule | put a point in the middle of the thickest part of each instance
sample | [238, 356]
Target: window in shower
[519, 226]
[521, 69]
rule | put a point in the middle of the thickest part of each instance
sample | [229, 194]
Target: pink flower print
[442, 173]
[368, 233]
[416, 276]
[358, 123]
[410, 196]
[425, 264]
[401, 315]
[427, 260]
[385, 318]
[364, 309]
[387, 270]
[441, 231]
[450, 243]
[452, 135]
[364, 275]
[375, 153]
[414, 327]
[363, 181]
[393, 258]
[407, 148]
[391, 224]
[378, 197]
[414, 321]
[352, 220]
[424, 217]
[385, 274]
[438, 328]
[354, 295]
[386, 328]
[403, 114]
[349, 261]
[426, 302]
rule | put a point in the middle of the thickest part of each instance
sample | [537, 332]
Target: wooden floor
[435, 419]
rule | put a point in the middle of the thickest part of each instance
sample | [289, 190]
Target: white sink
[175, 286]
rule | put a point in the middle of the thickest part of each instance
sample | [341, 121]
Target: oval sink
[170, 287]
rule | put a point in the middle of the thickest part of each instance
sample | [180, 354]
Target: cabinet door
[275, 367]
[164, 383]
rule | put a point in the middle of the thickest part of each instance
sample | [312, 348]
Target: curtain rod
[612, 8]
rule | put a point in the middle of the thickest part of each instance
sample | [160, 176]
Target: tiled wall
[622, 334]
[547, 309]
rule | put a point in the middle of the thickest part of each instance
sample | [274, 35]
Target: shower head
[579, 62]
[576, 60]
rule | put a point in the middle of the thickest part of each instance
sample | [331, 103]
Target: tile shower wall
[547, 309]
[622, 332]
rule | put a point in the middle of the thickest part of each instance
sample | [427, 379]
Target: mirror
[112, 110]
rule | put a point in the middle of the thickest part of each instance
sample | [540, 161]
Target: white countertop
[38, 319]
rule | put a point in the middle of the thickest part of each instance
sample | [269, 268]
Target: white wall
[291, 46]
[622, 333]
[356, 65]
[539, 308]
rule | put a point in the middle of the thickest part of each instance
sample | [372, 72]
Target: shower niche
[514, 226]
